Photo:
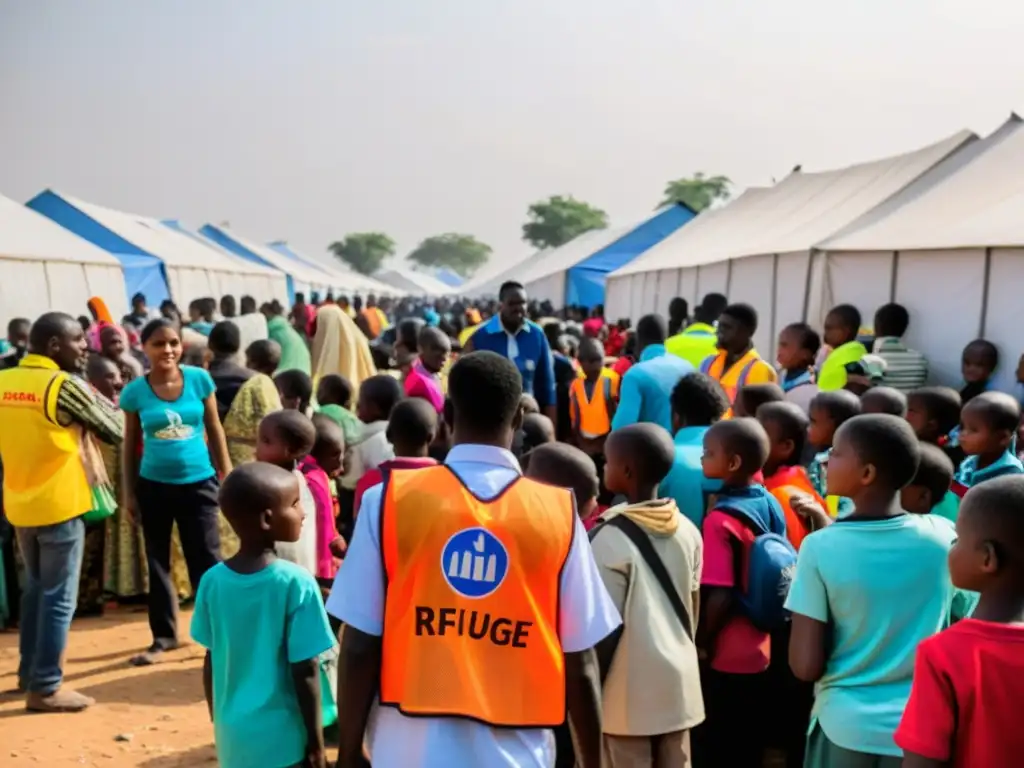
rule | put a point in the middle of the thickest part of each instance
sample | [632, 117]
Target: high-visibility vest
[735, 378]
[695, 343]
[44, 477]
[593, 413]
[471, 610]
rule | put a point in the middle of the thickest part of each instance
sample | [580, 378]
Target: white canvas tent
[44, 267]
[347, 281]
[758, 248]
[193, 270]
[488, 279]
[950, 249]
[414, 282]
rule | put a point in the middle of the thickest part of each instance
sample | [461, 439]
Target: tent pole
[774, 300]
[811, 255]
[894, 276]
[984, 293]
[728, 277]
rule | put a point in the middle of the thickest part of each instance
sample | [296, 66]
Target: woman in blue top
[172, 412]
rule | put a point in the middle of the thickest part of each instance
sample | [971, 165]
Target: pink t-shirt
[421, 383]
[326, 527]
[741, 648]
[374, 476]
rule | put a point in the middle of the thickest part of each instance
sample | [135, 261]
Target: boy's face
[972, 560]
[271, 448]
[846, 473]
[592, 365]
[731, 334]
[791, 354]
[976, 365]
[331, 458]
[915, 499]
[917, 418]
[977, 437]
[110, 383]
[780, 450]
[822, 429]
[716, 462]
[18, 335]
[287, 515]
[366, 411]
[837, 332]
[617, 470]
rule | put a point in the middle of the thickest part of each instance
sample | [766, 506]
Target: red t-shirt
[374, 476]
[740, 648]
[968, 692]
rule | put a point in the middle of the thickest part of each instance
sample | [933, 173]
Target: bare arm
[358, 677]
[717, 603]
[130, 464]
[208, 682]
[306, 676]
[215, 437]
[583, 696]
[807, 651]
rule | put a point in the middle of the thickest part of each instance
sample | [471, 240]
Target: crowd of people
[455, 533]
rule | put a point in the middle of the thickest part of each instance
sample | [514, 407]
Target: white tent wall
[548, 288]
[688, 286]
[1004, 312]
[750, 282]
[667, 288]
[616, 298]
[24, 290]
[790, 291]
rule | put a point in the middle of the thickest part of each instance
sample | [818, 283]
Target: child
[784, 476]
[934, 415]
[334, 400]
[965, 701]
[842, 324]
[296, 390]
[325, 462]
[284, 439]
[866, 592]
[829, 410]
[592, 400]
[263, 624]
[568, 467]
[980, 360]
[929, 492]
[105, 377]
[988, 426]
[410, 431]
[798, 348]
[263, 356]
[736, 682]
[651, 678]
[753, 396]
[698, 401]
[884, 400]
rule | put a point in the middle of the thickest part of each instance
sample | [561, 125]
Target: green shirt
[294, 352]
[256, 626]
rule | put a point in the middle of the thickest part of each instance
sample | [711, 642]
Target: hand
[338, 547]
[315, 758]
[810, 510]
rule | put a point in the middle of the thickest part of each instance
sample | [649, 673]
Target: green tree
[559, 219]
[363, 251]
[698, 192]
[461, 253]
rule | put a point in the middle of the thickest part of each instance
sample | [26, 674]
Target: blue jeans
[53, 562]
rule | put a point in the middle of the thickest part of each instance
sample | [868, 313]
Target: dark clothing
[194, 508]
[12, 359]
[229, 378]
[730, 699]
[565, 375]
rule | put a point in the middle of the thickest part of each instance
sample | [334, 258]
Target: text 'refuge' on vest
[471, 613]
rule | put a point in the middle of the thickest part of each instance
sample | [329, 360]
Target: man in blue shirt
[646, 390]
[523, 342]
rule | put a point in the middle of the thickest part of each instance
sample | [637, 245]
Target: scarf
[339, 347]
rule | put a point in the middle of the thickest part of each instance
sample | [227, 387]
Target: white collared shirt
[586, 616]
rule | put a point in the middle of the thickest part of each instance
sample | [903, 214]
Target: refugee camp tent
[449, 277]
[413, 282]
[44, 267]
[192, 270]
[486, 280]
[346, 281]
[950, 248]
[758, 248]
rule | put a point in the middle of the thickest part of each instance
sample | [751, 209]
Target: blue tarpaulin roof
[448, 277]
[143, 272]
[584, 283]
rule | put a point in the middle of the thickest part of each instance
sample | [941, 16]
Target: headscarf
[99, 310]
[294, 352]
[340, 347]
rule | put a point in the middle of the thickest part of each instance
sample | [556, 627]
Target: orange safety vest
[593, 413]
[733, 379]
[471, 611]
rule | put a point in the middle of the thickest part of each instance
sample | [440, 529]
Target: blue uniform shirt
[528, 349]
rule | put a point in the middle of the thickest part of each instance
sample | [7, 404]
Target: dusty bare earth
[152, 717]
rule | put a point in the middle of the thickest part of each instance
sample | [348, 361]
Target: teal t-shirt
[948, 507]
[174, 447]
[255, 627]
[883, 586]
[685, 482]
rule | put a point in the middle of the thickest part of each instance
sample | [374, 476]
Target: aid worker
[698, 340]
[471, 600]
[737, 363]
[44, 410]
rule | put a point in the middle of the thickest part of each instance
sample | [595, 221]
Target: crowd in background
[771, 536]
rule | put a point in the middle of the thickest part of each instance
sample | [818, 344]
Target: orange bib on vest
[471, 612]
[593, 413]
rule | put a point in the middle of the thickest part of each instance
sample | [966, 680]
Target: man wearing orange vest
[471, 601]
[44, 410]
[737, 363]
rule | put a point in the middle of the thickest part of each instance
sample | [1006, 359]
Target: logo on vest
[474, 562]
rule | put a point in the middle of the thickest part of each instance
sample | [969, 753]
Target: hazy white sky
[307, 120]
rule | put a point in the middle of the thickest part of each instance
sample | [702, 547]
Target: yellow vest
[696, 343]
[44, 478]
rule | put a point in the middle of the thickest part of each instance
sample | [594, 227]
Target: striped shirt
[906, 369]
[76, 403]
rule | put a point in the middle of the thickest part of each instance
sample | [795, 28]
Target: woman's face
[163, 349]
[112, 343]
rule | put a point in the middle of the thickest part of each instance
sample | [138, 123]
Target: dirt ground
[152, 717]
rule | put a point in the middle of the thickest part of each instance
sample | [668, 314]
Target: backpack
[770, 568]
